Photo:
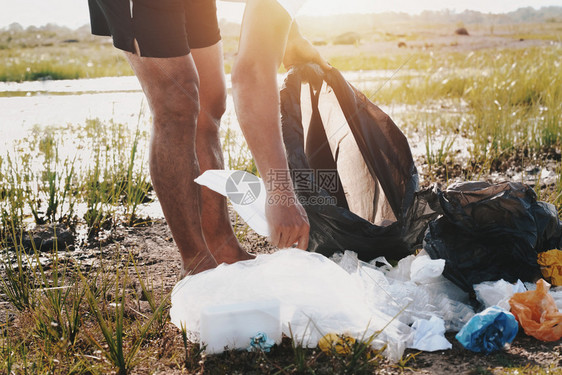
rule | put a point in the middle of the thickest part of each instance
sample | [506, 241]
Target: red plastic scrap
[536, 312]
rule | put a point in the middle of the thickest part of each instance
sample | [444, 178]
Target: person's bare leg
[172, 89]
[217, 228]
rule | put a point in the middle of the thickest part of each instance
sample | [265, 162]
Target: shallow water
[119, 99]
[71, 101]
[28, 105]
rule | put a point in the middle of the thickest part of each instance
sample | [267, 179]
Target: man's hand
[287, 220]
[300, 51]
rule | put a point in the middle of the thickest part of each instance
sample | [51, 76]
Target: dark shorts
[162, 28]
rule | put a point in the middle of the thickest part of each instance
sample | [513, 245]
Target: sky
[74, 13]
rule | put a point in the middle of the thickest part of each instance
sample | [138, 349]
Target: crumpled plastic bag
[424, 269]
[555, 292]
[551, 266]
[429, 335]
[488, 331]
[490, 293]
[317, 297]
[537, 313]
[342, 296]
[396, 293]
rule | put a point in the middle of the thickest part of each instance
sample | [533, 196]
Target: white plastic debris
[431, 294]
[424, 269]
[348, 261]
[233, 325]
[316, 295]
[491, 293]
[245, 191]
[429, 335]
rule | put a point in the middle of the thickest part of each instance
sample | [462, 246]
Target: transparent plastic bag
[316, 295]
[415, 289]
[490, 293]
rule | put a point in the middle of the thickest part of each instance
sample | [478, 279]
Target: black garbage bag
[354, 173]
[491, 231]
[352, 169]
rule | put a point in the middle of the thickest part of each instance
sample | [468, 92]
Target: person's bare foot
[234, 256]
[228, 250]
[197, 265]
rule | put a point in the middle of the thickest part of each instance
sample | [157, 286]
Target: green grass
[58, 53]
[57, 332]
[89, 60]
[112, 325]
[507, 101]
[17, 284]
[101, 180]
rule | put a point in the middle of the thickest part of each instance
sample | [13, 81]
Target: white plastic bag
[317, 297]
[415, 289]
[491, 293]
[250, 189]
[429, 335]
[423, 269]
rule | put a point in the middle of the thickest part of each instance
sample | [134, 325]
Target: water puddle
[45, 103]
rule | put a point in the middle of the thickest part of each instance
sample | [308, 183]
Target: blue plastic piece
[260, 342]
[489, 330]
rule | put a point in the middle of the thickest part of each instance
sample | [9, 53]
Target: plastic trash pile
[331, 302]
[316, 297]
[471, 233]
[308, 297]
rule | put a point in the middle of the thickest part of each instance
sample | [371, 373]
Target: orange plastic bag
[537, 313]
[551, 266]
